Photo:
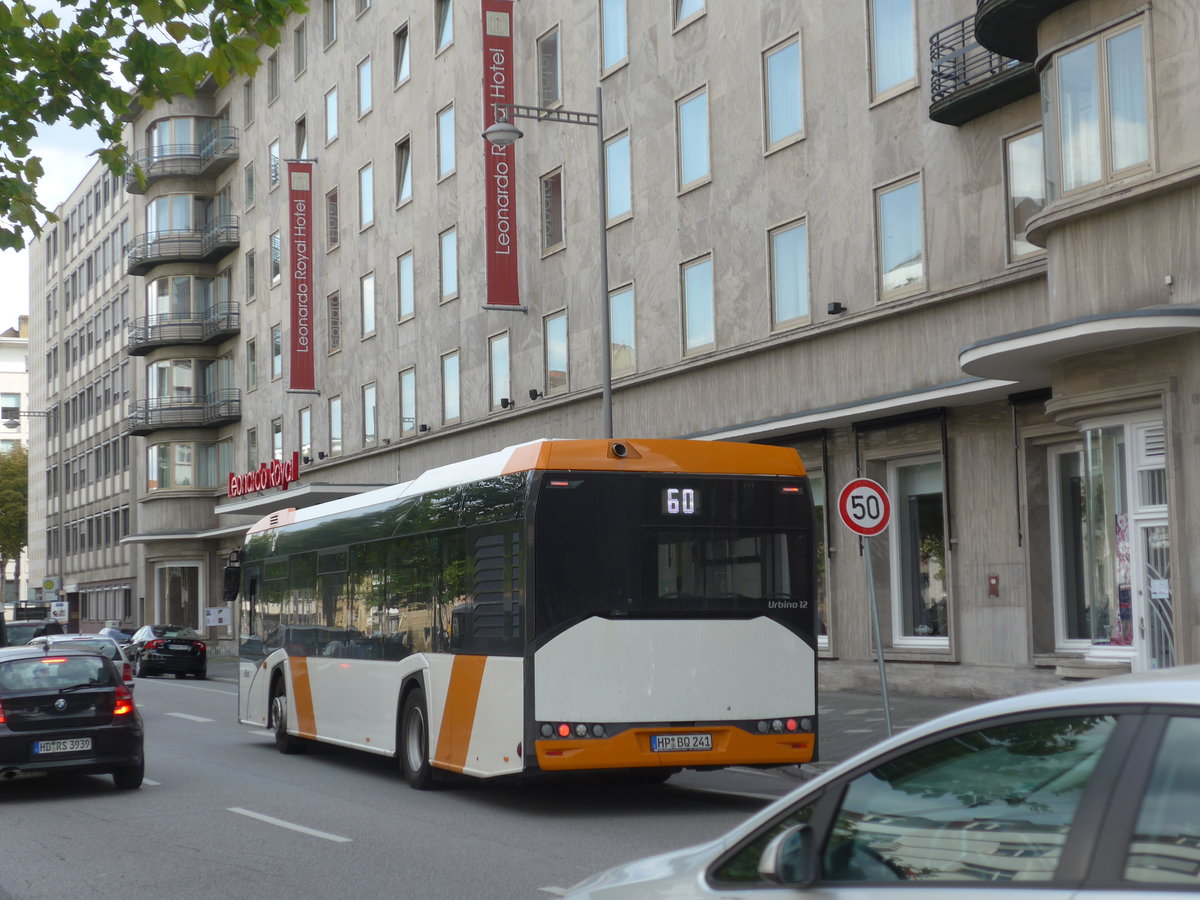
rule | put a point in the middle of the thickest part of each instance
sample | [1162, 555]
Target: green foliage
[14, 503]
[62, 66]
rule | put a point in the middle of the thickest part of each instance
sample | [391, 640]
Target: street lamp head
[12, 423]
[503, 133]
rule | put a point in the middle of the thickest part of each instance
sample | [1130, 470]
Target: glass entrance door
[1156, 619]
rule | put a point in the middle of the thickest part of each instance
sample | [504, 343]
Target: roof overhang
[1027, 356]
[956, 393]
[295, 497]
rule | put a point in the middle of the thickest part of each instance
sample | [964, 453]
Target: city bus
[631, 606]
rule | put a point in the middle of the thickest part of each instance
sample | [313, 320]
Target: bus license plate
[70, 745]
[665, 743]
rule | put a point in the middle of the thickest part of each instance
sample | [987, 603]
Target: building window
[557, 361]
[552, 211]
[408, 401]
[333, 303]
[251, 365]
[249, 184]
[618, 188]
[251, 449]
[614, 37]
[1097, 109]
[450, 387]
[448, 263]
[444, 24]
[1025, 178]
[335, 426]
[331, 115]
[250, 280]
[501, 390]
[332, 220]
[549, 75]
[783, 88]
[366, 295]
[300, 48]
[403, 171]
[329, 20]
[364, 87]
[900, 238]
[366, 196]
[400, 63]
[789, 273]
[363, 6]
[273, 162]
[248, 101]
[276, 351]
[623, 332]
[893, 45]
[306, 434]
[368, 407]
[1072, 610]
[445, 141]
[691, 119]
[685, 10]
[698, 323]
[276, 258]
[918, 553]
[404, 286]
[273, 77]
[302, 138]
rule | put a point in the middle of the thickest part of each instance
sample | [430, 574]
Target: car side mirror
[791, 858]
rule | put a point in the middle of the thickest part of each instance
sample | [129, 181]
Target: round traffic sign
[864, 506]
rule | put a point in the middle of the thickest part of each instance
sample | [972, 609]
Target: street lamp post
[502, 134]
[51, 417]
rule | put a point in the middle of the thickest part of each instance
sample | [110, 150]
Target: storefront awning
[298, 496]
[1026, 356]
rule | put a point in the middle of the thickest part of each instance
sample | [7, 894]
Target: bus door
[253, 675]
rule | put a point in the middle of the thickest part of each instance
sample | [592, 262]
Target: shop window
[919, 577]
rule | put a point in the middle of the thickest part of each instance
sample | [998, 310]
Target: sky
[66, 157]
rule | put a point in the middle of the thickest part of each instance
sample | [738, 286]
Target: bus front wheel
[284, 742]
[414, 742]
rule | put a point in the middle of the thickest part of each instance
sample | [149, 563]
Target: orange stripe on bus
[698, 457]
[631, 749]
[458, 716]
[302, 701]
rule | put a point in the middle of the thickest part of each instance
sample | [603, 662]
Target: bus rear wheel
[284, 742]
[414, 742]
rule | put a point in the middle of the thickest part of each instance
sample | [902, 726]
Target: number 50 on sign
[864, 506]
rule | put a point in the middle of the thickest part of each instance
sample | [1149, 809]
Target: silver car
[1087, 791]
[98, 642]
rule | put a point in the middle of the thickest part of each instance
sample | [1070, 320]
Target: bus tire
[414, 742]
[284, 742]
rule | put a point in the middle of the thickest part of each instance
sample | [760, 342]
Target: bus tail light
[572, 729]
[564, 730]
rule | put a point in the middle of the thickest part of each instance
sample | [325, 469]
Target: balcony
[146, 251]
[212, 156]
[968, 80]
[185, 411]
[1010, 27]
[209, 327]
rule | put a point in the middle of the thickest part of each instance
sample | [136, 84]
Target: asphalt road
[223, 814]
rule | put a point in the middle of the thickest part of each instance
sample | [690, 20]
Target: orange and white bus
[561, 605]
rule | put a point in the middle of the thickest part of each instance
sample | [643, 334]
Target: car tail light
[126, 672]
[54, 659]
[123, 704]
[154, 645]
[1, 713]
[201, 646]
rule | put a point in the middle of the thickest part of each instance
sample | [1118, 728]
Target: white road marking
[271, 820]
[762, 773]
[151, 783]
[190, 718]
[261, 733]
[749, 795]
[553, 891]
[858, 731]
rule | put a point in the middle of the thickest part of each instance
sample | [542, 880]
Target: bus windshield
[713, 547]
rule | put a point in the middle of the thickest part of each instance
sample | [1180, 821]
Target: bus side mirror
[233, 582]
[791, 858]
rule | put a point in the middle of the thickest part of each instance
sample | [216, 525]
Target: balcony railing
[185, 411]
[208, 327]
[210, 157]
[146, 251]
[968, 80]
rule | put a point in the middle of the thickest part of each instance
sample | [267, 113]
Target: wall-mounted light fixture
[507, 403]
[320, 454]
[835, 308]
[422, 427]
[535, 394]
[307, 459]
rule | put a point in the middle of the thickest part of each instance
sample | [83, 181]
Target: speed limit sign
[864, 506]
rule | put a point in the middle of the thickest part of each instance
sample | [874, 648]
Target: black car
[22, 631]
[168, 648]
[67, 710]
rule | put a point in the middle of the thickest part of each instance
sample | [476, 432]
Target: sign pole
[883, 687]
[866, 510]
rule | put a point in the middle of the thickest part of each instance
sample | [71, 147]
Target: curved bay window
[188, 465]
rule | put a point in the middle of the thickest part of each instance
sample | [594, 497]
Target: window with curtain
[893, 45]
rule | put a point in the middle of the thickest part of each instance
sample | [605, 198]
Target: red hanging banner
[301, 372]
[501, 206]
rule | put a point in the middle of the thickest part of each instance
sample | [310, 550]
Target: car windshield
[100, 645]
[54, 672]
[24, 632]
[174, 631]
